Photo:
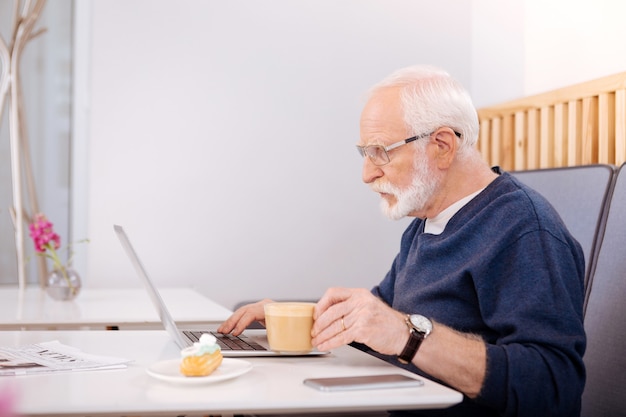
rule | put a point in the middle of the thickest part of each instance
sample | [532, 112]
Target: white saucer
[169, 371]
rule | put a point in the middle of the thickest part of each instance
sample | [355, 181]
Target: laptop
[250, 343]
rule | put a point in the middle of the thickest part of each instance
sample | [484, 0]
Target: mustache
[383, 187]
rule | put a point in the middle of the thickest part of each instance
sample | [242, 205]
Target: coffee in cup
[289, 326]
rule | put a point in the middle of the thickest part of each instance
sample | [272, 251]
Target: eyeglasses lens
[377, 154]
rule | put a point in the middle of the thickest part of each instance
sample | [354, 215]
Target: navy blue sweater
[507, 269]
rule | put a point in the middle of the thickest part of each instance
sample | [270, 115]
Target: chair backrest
[605, 358]
[579, 194]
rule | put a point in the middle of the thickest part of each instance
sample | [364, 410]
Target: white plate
[169, 371]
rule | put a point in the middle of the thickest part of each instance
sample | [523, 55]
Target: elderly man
[486, 293]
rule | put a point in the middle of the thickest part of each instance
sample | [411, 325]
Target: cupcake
[202, 358]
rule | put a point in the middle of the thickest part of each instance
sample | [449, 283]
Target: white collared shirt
[437, 224]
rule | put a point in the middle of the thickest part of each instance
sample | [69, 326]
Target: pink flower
[47, 242]
[42, 233]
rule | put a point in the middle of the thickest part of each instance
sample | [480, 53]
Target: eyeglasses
[379, 155]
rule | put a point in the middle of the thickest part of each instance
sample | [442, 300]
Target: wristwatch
[419, 329]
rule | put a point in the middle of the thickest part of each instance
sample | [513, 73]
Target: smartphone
[349, 383]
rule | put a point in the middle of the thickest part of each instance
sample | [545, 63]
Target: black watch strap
[413, 344]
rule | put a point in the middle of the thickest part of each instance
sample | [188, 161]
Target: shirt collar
[437, 224]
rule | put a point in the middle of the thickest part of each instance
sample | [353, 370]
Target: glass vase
[63, 284]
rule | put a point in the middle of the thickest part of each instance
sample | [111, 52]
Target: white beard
[414, 197]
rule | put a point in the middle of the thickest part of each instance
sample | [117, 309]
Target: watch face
[421, 323]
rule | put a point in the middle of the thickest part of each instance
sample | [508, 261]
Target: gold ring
[343, 325]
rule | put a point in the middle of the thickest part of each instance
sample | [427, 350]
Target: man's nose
[370, 172]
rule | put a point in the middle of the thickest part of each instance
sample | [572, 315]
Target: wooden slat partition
[577, 125]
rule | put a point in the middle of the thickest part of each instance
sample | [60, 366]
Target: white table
[102, 308]
[273, 385]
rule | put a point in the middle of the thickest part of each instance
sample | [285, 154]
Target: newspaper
[53, 357]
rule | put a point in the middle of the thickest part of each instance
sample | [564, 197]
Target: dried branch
[5, 82]
[23, 23]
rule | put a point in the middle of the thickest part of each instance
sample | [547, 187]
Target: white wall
[221, 133]
[222, 137]
[571, 41]
[497, 56]
[525, 47]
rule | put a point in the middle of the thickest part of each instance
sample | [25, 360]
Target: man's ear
[447, 146]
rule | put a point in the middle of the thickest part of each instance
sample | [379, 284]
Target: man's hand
[243, 317]
[345, 315]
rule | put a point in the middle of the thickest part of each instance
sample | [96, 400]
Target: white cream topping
[206, 345]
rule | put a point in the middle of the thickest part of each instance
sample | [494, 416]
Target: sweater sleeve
[534, 354]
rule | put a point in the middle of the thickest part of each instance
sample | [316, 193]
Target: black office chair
[579, 194]
[605, 310]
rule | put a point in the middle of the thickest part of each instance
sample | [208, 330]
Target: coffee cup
[289, 326]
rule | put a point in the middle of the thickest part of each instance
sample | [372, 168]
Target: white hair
[431, 99]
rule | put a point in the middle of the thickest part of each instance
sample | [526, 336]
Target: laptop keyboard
[226, 341]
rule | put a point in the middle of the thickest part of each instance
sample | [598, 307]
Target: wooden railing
[577, 125]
